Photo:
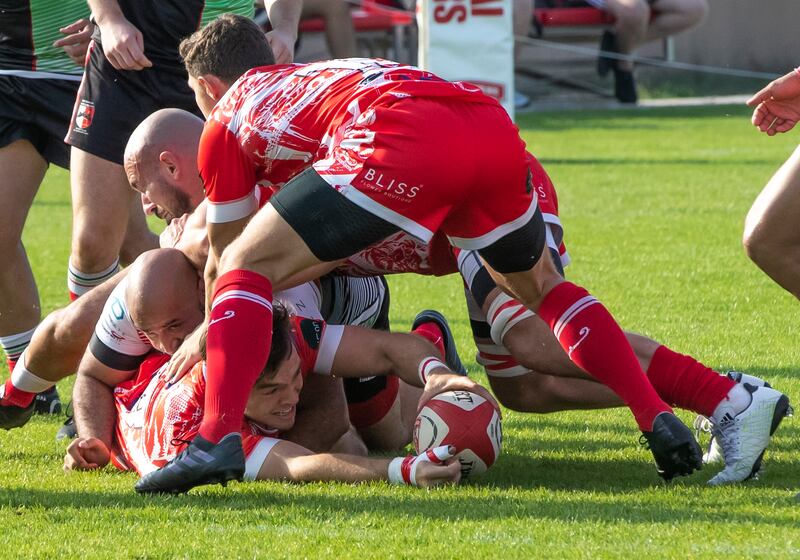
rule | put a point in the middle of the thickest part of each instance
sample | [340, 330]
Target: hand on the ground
[123, 45]
[76, 40]
[777, 106]
[86, 454]
[441, 380]
[190, 352]
[282, 45]
[433, 467]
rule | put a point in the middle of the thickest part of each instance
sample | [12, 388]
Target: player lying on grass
[145, 312]
[155, 419]
[527, 368]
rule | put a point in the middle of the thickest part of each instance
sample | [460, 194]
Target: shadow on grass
[332, 504]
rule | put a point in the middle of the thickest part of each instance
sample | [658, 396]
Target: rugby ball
[465, 420]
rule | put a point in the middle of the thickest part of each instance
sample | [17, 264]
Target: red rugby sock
[594, 341]
[16, 397]
[237, 347]
[431, 332]
[686, 383]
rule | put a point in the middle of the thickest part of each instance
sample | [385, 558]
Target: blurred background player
[771, 236]
[635, 23]
[133, 69]
[340, 36]
[38, 83]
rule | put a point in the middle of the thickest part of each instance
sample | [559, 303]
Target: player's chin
[283, 420]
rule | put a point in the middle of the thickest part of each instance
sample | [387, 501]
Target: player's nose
[147, 205]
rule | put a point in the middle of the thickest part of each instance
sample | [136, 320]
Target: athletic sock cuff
[244, 279]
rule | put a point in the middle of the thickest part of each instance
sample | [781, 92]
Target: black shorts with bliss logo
[37, 110]
[111, 103]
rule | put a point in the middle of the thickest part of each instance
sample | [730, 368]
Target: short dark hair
[281, 347]
[226, 48]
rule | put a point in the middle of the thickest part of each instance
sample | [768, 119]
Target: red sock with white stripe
[594, 341]
[686, 383]
[237, 347]
[431, 332]
[23, 385]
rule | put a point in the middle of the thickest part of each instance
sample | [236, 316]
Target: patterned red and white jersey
[277, 120]
[155, 422]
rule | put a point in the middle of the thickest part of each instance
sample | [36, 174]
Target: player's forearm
[336, 467]
[105, 11]
[284, 15]
[369, 352]
[93, 406]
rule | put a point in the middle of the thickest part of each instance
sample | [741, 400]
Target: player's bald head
[171, 130]
[161, 163]
[162, 284]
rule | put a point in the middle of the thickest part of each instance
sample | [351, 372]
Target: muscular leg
[339, 32]
[102, 202]
[23, 170]
[673, 16]
[771, 237]
[61, 339]
[630, 26]
[138, 237]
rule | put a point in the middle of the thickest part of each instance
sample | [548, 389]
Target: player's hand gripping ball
[465, 420]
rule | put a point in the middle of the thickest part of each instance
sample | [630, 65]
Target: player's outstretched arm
[363, 352]
[777, 106]
[288, 461]
[123, 44]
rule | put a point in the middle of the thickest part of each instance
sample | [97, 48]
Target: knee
[758, 244]
[90, 253]
[632, 17]
[696, 11]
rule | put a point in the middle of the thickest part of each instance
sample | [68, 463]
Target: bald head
[161, 162]
[164, 297]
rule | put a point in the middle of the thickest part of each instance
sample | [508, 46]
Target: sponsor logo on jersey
[391, 187]
[311, 329]
[83, 120]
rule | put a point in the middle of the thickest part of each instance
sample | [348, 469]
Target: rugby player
[360, 150]
[133, 69]
[527, 369]
[38, 82]
[155, 420]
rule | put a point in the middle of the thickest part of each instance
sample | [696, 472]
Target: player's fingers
[75, 26]
[138, 52]
[439, 454]
[762, 95]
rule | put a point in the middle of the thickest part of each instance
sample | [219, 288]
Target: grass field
[653, 203]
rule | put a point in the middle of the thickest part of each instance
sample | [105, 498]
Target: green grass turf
[653, 203]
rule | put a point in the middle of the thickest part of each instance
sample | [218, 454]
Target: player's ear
[170, 161]
[213, 86]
